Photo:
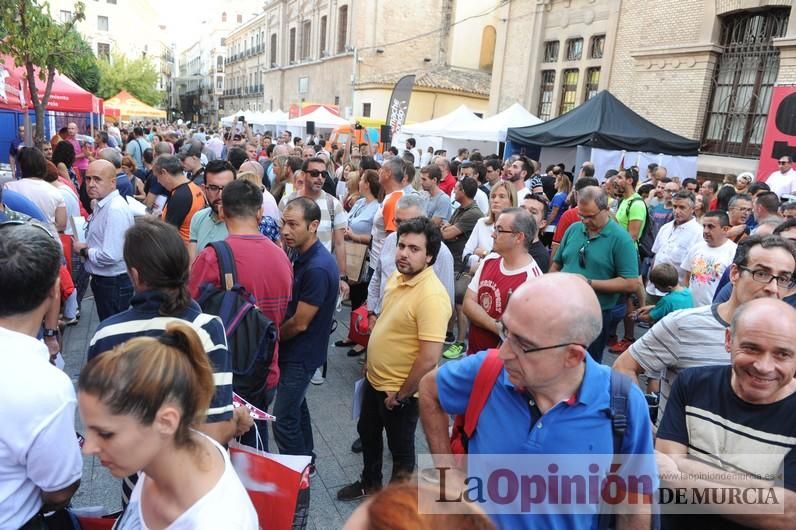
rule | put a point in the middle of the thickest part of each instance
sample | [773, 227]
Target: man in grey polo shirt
[438, 205]
[763, 267]
[206, 225]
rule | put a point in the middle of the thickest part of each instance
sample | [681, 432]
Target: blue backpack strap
[228, 275]
[620, 390]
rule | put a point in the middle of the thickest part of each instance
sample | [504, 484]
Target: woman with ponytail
[157, 262]
[140, 403]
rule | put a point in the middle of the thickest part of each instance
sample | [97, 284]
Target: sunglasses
[783, 162]
[313, 172]
[582, 254]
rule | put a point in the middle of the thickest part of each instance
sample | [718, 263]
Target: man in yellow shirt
[405, 344]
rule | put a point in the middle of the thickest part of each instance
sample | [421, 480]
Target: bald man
[743, 415]
[549, 397]
[102, 247]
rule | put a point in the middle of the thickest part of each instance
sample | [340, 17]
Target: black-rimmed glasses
[761, 276]
[507, 336]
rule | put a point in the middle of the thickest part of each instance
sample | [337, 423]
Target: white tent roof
[227, 121]
[494, 128]
[460, 118]
[323, 119]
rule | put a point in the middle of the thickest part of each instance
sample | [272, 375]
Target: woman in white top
[33, 186]
[138, 403]
[479, 245]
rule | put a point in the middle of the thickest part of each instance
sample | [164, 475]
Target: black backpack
[251, 336]
[647, 237]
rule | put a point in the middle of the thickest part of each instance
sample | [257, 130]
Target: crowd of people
[483, 261]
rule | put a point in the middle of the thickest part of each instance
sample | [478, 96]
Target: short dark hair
[686, 195]
[769, 201]
[103, 136]
[469, 187]
[241, 199]
[219, 166]
[633, 174]
[741, 258]
[423, 225]
[757, 187]
[314, 160]
[664, 275]
[149, 155]
[610, 173]
[411, 141]
[237, 156]
[542, 198]
[712, 184]
[724, 196]
[476, 157]
[645, 189]
[432, 171]
[583, 182]
[690, 180]
[393, 150]
[368, 162]
[785, 206]
[295, 163]
[588, 171]
[494, 163]
[785, 225]
[721, 215]
[32, 163]
[30, 260]
[479, 172]
[309, 208]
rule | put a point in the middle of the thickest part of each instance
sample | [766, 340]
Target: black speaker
[386, 134]
[310, 127]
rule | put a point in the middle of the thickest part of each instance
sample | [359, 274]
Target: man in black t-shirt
[739, 419]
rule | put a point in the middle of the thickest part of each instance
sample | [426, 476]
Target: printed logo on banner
[780, 136]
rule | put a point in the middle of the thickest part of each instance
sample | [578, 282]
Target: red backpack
[464, 426]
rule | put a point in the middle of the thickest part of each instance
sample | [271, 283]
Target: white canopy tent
[494, 128]
[321, 116]
[229, 121]
[436, 133]
[460, 118]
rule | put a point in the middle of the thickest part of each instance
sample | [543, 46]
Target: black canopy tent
[602, 122]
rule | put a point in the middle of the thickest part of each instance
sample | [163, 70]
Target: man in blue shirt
[17, 144]
[304, 334]
[550, 397]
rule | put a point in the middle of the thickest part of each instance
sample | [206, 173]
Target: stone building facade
[701, 68]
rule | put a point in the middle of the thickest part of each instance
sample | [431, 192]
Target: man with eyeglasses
[763, 267]
[603, 253]
[499, 274]
[207, 225]
[663, 212]
[783, 180]
[550, 397]
[739, 212]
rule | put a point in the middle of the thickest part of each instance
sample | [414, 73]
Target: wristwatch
[50, 332]
[343, 277]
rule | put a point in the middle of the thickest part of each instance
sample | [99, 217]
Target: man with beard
[206, 225]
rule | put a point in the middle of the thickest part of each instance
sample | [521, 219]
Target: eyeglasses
[761, 276]
[744, 210]
[214, 188]
[504, 231]
[582, 254]
[313, 172]
[589, 217]
[512, 340]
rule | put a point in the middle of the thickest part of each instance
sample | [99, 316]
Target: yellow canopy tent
[123, 106]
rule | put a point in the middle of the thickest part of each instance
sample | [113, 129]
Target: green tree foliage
[34, 39]
[137, 76]
[83, 70]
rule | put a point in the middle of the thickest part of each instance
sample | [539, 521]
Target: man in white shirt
[783, 181]
[40, 458]
[103, 248]
[704, 263]
[675, 239]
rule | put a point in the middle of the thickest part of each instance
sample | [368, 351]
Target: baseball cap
[746, 177]
[191, 148]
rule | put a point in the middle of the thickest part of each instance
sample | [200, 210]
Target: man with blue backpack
[540, 393]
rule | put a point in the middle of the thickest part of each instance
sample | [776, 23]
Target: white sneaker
[317, 378]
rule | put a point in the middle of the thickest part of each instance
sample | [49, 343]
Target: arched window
[742, 82]
[487, 58]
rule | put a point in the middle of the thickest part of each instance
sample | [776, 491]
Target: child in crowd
[664, 277]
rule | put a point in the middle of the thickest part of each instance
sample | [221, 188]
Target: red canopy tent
[66, 95]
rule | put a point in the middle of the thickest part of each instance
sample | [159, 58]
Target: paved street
[330, 406]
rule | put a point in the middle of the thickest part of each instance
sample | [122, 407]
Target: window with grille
[546, 94]
[742, 82]
[366, 110]
[322, 38]
[597, 47]
[569, 87]
[574, 49]
[104, 51]
[66, 16]
[592, 82]
[292, 45]
[342, 28]
[550, 51]
[306, 34]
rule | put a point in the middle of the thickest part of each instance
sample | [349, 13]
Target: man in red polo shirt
[448, 180]
[570, 217]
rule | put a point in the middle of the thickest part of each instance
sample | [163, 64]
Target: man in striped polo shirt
[158, 265]
[695, 337]
[738, 419]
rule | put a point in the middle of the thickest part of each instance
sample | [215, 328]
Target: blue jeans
[111, 294]
[292, 428]
[260, 426]
[597, 348]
